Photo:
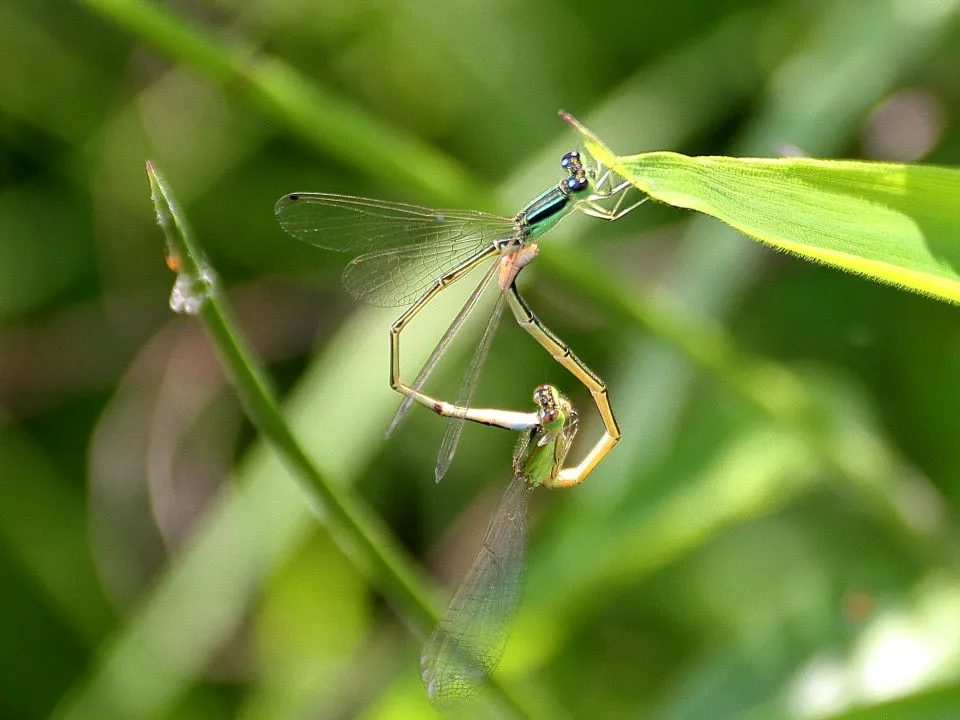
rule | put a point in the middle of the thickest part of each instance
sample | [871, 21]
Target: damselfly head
[552, 408]
[570, 160]
[577, 181]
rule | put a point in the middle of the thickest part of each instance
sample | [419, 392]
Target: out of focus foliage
[775, 537]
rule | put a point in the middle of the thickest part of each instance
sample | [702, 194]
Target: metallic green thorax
[541, 452]
[546, 210]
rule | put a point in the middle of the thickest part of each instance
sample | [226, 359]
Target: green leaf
[896, 223]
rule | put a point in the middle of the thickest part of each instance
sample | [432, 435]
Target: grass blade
[892, 222]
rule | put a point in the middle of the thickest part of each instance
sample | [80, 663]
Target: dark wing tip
[285, 202]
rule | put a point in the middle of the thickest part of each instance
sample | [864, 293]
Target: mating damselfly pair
[408, 255]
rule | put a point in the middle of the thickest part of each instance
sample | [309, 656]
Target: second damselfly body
[470, 638]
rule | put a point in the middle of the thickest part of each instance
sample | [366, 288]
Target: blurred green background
[728, 559]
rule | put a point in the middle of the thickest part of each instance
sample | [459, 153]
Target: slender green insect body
[549, 208]
[410, 254]
[469, 641]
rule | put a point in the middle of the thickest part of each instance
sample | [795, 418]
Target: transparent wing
[451, 436]
[405, 247]
[355, 224]
[399, 276]
[469, 641]
[441, 348]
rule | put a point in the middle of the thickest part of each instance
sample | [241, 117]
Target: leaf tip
[570, 120]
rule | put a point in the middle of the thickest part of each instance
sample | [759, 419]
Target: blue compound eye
[577, 183]
[571, 159]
